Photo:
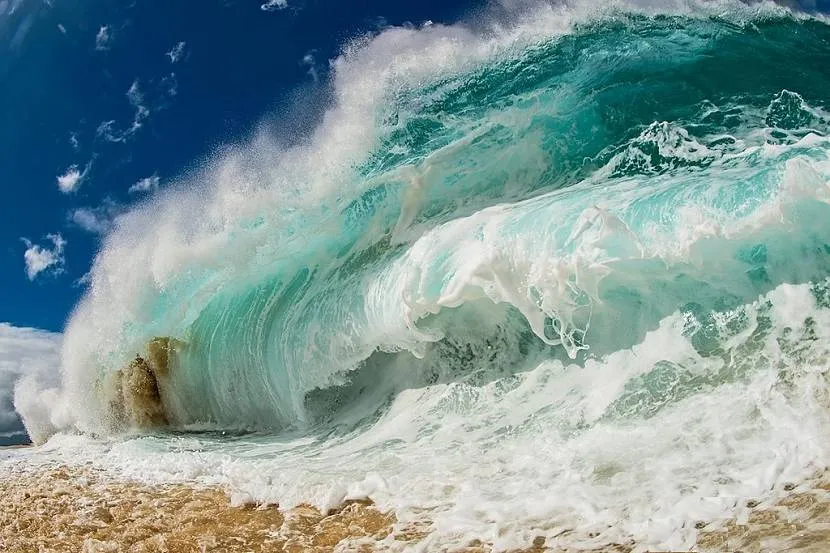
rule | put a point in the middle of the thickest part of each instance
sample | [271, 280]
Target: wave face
[587, 250]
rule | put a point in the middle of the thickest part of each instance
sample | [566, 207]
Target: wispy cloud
[90, 220]
[177, 52]
[310, 64]
[136, 98]
[97, 220]
[84, 280]
[19, 36]
[103, 39]
[107, 130]
[147, 184]
[24, 353]
[73, 140]
[71, 179]
[171, 85]
[274, 5]
[43, 258]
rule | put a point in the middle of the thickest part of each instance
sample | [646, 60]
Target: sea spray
[569, 273]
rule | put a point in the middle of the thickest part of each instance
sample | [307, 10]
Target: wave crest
[591, 173]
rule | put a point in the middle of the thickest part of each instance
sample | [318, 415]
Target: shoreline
[70, 509]
[64, 508]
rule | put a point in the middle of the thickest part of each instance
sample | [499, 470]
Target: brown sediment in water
[139, 394]
[71, 509]
[159, 351]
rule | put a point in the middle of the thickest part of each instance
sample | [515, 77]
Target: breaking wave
[587, 249]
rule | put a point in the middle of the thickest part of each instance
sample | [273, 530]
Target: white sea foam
[555, 447]
[677, 346]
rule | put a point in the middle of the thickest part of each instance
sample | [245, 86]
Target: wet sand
[69, 509]
[800, 522]
[62, 509]
[65, 510]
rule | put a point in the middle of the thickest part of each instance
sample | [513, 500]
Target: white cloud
[108, 132]
[73, 140]
[274, 5]
[103, 39]
[43, 258]
[147, 184]
[107, 129]
[25, 353]
[177, 52]
[84, 280]
[171, 84]
[71, 179]
[309, 62]
[98, 220]
[136, 99]
[90, 220]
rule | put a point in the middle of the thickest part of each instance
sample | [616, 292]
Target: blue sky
[98, 98]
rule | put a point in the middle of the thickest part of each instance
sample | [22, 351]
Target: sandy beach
[63, 509]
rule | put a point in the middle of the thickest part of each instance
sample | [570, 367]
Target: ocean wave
[583, 233]
[525, 178]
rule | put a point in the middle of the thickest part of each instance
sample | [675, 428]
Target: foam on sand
[61, 508]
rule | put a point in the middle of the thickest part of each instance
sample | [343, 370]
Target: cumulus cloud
[103, 39]
[28, 357]
[71, 179]
[147, 184]
[274, 5]
[97, 220]
[43, 258]
[177, 52]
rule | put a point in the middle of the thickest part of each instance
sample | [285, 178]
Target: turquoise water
[560, 181]
[590, 258]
